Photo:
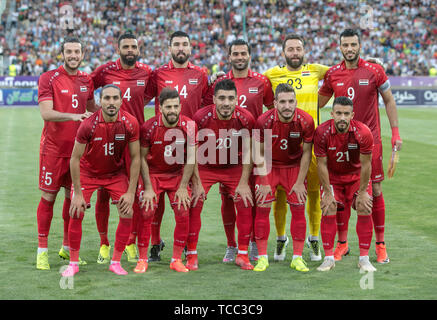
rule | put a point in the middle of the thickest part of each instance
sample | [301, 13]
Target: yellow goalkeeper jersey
[305, 82]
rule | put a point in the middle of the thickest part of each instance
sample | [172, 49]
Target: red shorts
[345, 194]
[227, 177]
[168, 184]
[116, 187]
[377, 174]
[285, 177]
[54, 173]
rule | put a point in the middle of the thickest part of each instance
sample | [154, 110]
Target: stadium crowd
[404, 34]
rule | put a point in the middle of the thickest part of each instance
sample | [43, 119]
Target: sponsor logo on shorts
[119, 137]
[378, 176]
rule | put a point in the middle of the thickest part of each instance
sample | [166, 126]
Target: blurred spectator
[404, 34]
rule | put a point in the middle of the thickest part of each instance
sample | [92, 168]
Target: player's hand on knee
[148, 198]
[328, 204]
[301, 192]
[262, 192]
[125, 203]
[364, 203]
[77, 206]
[182, 197]
[198, 193]
[243, 190]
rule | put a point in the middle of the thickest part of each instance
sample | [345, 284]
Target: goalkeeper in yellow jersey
[305, 79]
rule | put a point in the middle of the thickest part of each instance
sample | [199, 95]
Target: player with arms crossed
[168, 153]
[223, 157]
[292, 132]
[132, 78]
[362, 81]
[254, 91]
[343, 148]
[64, 96]
[97, 161]
[191, 82]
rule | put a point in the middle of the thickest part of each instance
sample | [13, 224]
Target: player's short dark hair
[110, 86]
[178, 34]
[292, 36]
[284, 87]
[351, 33]
[344, 101]
[167, 93]
[71, 40]
[126, 35]
[226, 84]
[239, 42]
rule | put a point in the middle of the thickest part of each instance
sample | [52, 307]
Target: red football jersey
[70, 94]
[253, 92]
[132, 83]
[287, 138]
[106, 143]
[343, 149]
[191, 83]
[167, 146]
[361, 85]
[227, 136]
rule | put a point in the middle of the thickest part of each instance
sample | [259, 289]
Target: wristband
[394, 136]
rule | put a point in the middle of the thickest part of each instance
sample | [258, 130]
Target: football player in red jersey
[224, 157]
[168, 152]
[132, 78]
[343, 148]
[291, 132]
[362, 82]
[65, 97]
[254, 91]
[191, 82]
[98, 161]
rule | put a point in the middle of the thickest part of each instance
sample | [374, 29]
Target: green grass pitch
[410, 235]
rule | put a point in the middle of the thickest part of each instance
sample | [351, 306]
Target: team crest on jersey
[253, 90]
[119, 137]
[193, 81]
[294, 134]
[305, 73]
[352, 146]
[141, 83]
[83, 89]
[363, 82]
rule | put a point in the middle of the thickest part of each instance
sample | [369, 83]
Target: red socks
[378, 217]
[194, 226]
[328, 229]
[364, 230]
[66, 218]
[244, 225]
[180, 231]
[44, 215]
[144, 236]
[298, 228]
[75, 236]
[135, 221]
[229, 217]
[157, 220]
[121, 237]
[262, 229]
[102, 215]
[343, 217]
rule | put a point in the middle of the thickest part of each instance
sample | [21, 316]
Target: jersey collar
[171, 65]
[360, 63]
[230, 74]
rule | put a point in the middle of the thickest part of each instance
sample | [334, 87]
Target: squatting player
[64, 96]
[253, 92]
[292, 132]
[224, 157]
[132, 78]
[97, 161]
[191, 82]
[343, 148]
[168, 152]
[361, 81]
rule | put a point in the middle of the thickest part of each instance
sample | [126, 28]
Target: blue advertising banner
[18, 97]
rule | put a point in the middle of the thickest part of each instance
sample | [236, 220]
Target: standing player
[343, 148]
[361, 81]
[97, 161]
[224, 157]
[132, 78]
[292, 132]
[168, 153]
[191, 82]
[64, 95]
[253, 91]
[304, 77]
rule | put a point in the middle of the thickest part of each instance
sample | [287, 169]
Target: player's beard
[286, 118]
[174, 120]
[129, 61]
[70, 67]
[238, 66]
[294, 64]
[353, 59]
[110, 111]
[342, 129]
[180, 58]
[225, 111]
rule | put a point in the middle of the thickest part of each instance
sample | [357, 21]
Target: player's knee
[48, 196]
[376, 189]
